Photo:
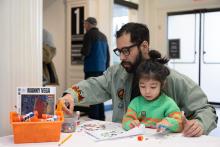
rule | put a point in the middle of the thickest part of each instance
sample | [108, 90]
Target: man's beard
[131, 67]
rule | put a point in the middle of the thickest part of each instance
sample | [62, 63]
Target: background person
[96, 60]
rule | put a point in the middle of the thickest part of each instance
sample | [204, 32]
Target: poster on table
[40, 99]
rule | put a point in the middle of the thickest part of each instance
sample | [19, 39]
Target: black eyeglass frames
[124, 50]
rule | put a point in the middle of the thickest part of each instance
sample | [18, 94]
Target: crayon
[60, 105]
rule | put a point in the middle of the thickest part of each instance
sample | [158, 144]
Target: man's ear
[145, 49]
[145, 44]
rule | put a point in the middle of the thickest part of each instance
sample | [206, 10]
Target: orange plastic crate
[36, 130]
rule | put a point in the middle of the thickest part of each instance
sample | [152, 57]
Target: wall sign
[174, 48]
[77, 32]
[77, 20]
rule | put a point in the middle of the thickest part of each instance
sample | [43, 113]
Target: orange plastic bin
[36, 130]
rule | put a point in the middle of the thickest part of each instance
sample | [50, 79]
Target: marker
[45, 116]
[77, 117]
[60, 105]
[26, 117]
[163, 127]
[65, 139]
[54, 118]
[184, 118]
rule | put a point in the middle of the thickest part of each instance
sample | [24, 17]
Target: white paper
[100, 130]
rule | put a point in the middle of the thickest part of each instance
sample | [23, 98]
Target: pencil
[65, 139]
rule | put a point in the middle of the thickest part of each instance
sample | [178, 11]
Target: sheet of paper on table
[99, 130]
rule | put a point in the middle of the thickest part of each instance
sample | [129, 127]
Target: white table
[81, 139]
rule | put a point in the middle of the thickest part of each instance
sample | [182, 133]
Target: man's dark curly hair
[139, 32]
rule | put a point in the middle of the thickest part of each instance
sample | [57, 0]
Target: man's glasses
[124, 50]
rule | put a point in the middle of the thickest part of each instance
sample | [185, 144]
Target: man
[117, 84]
[96, 59]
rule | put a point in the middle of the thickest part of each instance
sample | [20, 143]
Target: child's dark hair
[153, 68]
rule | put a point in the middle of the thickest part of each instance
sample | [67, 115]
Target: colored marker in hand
[163, 127]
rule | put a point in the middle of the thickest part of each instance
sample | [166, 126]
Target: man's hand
[192, 128]
[67, 104]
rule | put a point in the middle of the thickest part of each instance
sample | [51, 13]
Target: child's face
[149, 88]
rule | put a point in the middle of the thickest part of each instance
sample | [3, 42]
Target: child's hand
[163, 125]
[134, 123]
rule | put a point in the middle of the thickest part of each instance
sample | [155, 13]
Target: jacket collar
[124, 74]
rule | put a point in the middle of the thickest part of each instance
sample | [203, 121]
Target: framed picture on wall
[174, 48]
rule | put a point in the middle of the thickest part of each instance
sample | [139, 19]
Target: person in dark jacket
[96, 59]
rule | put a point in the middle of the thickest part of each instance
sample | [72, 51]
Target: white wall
[54, 23]
[102, 11]
[21, 52]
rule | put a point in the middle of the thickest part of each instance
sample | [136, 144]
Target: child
[153, 108]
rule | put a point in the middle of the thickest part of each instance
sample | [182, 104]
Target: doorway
[197, 52]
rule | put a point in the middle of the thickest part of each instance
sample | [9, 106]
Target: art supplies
[140, 137]
[65, 139]
[71, 122]
[77, 117]
[60, 105]
[36, 130]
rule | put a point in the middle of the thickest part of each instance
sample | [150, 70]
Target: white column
[21, 52]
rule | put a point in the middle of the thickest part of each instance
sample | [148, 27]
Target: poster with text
[40, 99]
